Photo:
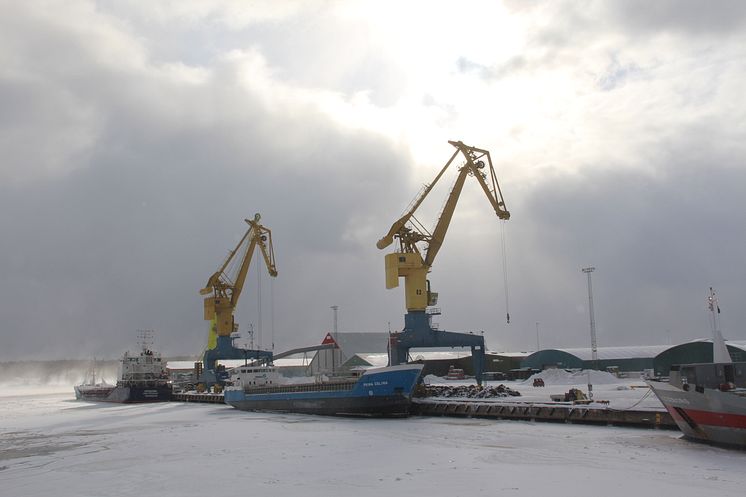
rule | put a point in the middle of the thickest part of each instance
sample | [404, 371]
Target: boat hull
[89, 392]
[127, 394]
[381, 406]
[704, 414]
[383, 392]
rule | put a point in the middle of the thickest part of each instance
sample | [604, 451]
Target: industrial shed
[503, 361]
[626, 359]
[695, 351]
[437, 362]
[657, 358]
[348, 345]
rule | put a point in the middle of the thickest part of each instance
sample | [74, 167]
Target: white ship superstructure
[142, 378]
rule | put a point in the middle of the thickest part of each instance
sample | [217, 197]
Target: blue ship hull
[378, 392]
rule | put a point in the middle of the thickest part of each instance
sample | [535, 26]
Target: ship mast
[719, 349]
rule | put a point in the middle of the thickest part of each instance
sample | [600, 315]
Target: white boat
[91, 389]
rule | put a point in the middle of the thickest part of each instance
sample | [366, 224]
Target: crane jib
[414, 269]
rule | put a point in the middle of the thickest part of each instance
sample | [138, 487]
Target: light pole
[594, 348]
[335, 308]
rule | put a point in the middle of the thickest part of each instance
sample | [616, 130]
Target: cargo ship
[142, 378]
[708, 400]
[377, 392]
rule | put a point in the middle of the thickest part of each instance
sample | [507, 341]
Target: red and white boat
[708, 400]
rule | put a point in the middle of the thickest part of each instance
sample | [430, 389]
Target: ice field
[53, 445]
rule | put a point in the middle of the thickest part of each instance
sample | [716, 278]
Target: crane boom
[408, 262]
[220, 305]
[401, 222]
[261, 237]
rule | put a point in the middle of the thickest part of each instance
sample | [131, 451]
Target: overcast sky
[137, 136]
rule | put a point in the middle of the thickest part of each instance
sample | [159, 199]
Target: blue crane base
[418, 333]
[225, 350]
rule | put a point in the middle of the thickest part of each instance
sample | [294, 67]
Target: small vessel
[142, 378]
[708, 400]
[91, 389]
[385, 391]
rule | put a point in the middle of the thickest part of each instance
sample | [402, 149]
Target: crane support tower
[408, 262]
[222, 293]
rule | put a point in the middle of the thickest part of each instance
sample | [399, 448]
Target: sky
[136, 137]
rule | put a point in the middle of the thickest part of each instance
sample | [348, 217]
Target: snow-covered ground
[608, 391]
[53, 445]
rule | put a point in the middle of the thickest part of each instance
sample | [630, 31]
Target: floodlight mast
[335, 309]
[594, 348]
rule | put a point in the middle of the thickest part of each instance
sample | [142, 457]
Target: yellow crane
[223, 293]
[408, 262]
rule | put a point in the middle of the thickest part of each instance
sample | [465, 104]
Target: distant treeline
[66, 371]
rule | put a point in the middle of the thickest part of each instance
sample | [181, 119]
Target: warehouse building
[624, 359]
[694, 352]
[653, 359]
[346, 346]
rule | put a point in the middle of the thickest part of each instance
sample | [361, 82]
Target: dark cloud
[124, 235]
[567, 35]
[718, 19]
[658, 242]
[127, 241]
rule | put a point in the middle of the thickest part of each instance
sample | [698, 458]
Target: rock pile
[465, 391]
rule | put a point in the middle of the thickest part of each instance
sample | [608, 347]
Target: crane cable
[259, 304]
[272, 310]
[505, 271]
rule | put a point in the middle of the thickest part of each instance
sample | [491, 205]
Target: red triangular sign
[329, 339]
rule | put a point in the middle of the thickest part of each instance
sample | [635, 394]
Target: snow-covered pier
[614, 401]
[209, 398]
[529, 411]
